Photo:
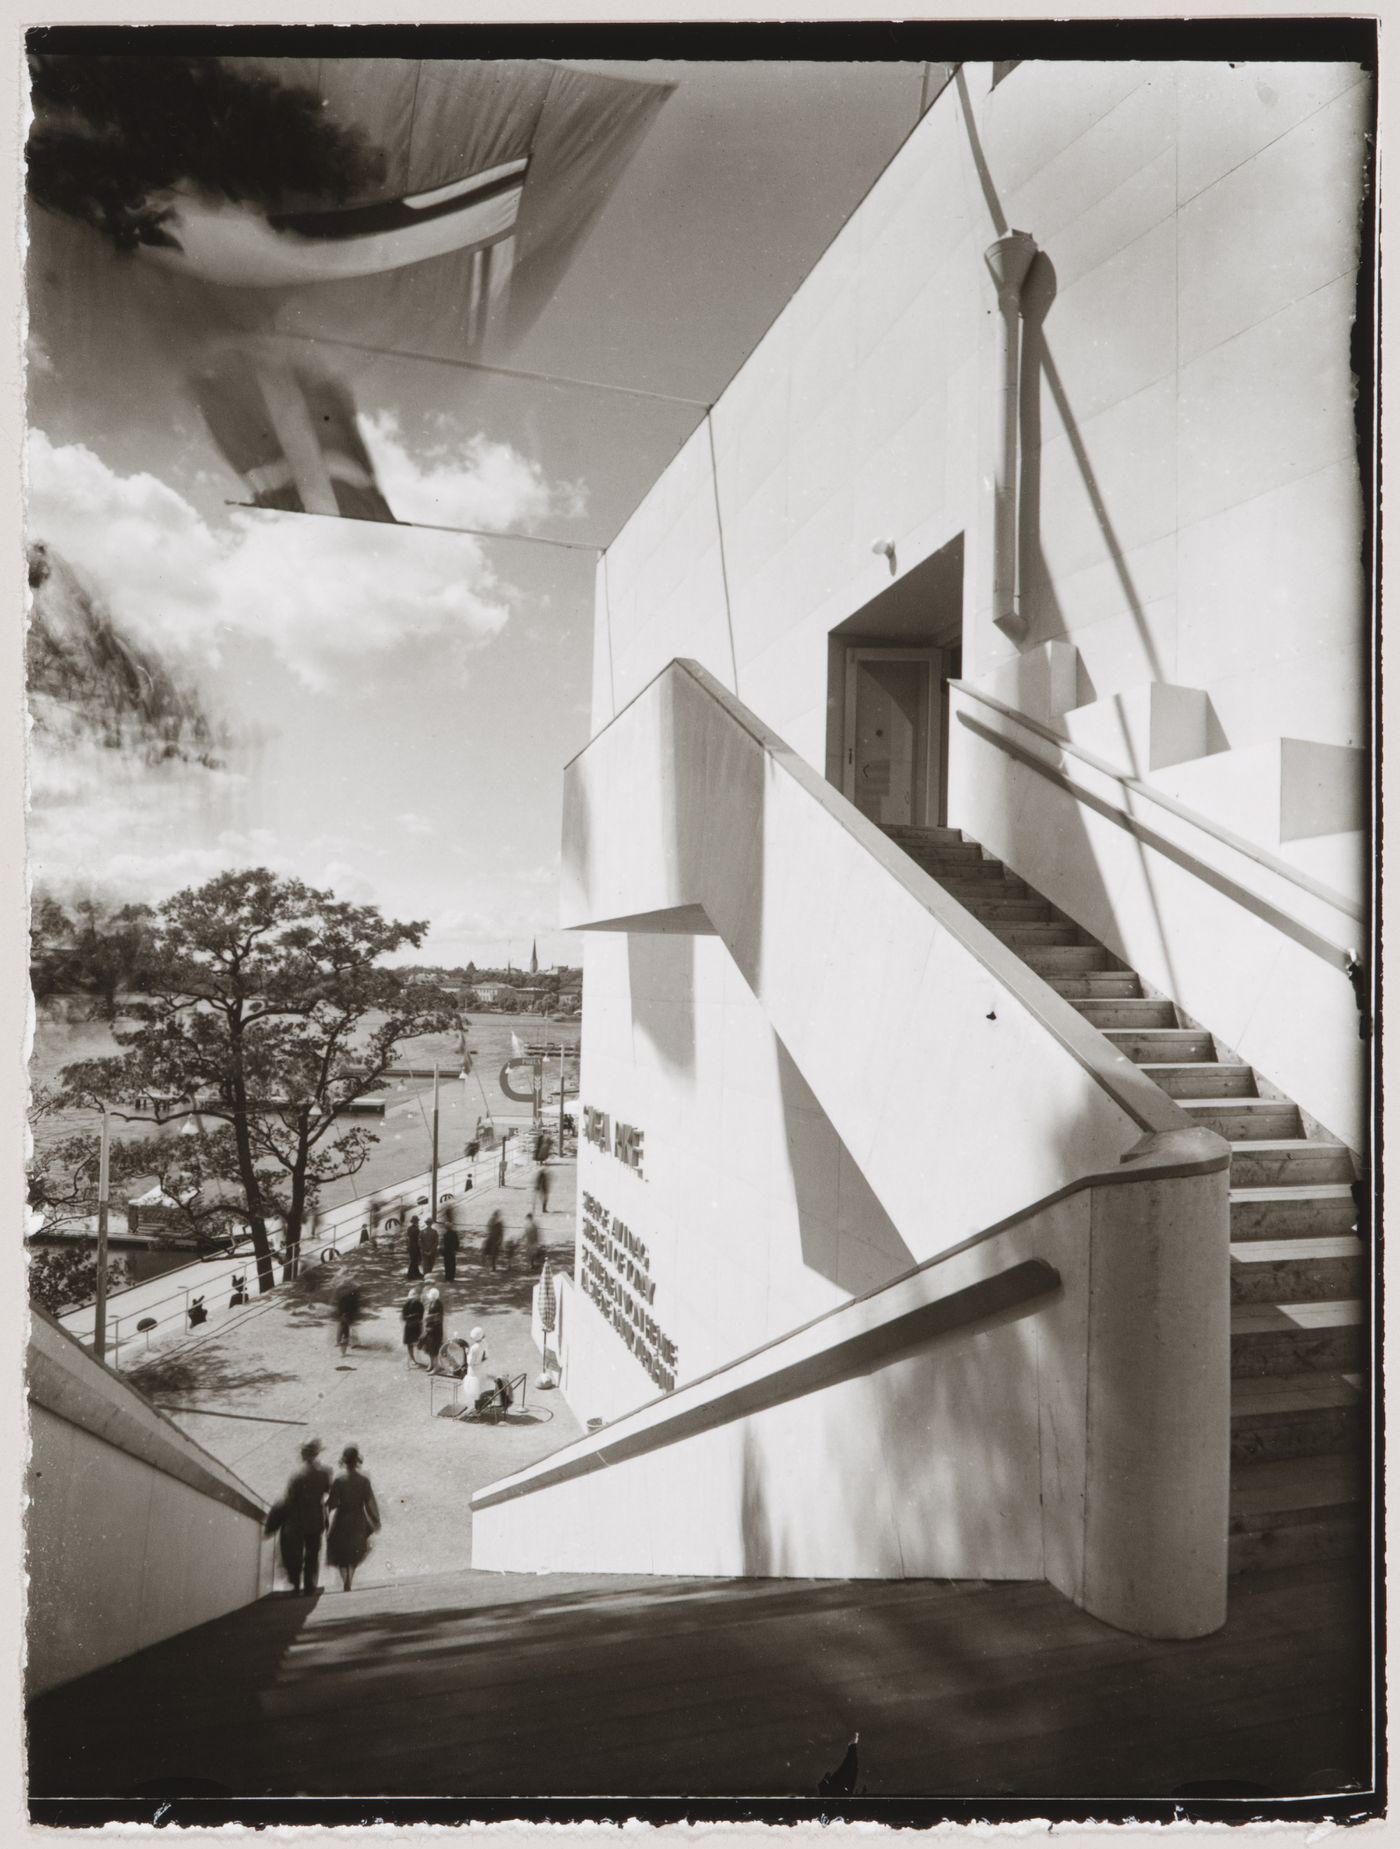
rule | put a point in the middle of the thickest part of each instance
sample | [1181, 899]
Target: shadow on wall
[930, 1468]
[1047, 618]
[846, 1234]
[661, 981]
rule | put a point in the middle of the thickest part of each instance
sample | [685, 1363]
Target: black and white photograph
[700, 836]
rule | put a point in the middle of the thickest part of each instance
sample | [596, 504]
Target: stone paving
[253, 1391]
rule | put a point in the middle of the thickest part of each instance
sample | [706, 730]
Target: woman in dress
[432, 1330]
[412, 1314]
[354, 1516]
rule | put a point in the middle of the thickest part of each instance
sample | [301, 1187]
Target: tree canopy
[267, 1008]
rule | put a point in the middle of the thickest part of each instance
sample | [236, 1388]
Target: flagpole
[99, 1323]
[432, 1211]
[422, 526]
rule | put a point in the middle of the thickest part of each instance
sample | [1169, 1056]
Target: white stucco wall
[1198, 515]
[133, 1531]
[1191, 514]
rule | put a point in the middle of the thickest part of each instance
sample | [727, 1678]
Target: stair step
[1337, 1536]
[1051, 935]
[1293, 1338]
[1287, 1490]
[1193, 1078]
[1289, 1510]
[1098, 985]
[973, 869]
[1266, 1162]
[907, 834]
[1154, 1045]
[1294, 1415]
[1298, 1270]
[994, 911]
[1069, 959]
[1274, 1213]
[1126, 1011]
[986, 886]
[950, 853]
[1240, 1119]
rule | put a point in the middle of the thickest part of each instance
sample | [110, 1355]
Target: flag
[289, 430]
[547, 1308]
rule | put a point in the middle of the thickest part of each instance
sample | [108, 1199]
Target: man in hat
[414, 1254]
[303, 1519]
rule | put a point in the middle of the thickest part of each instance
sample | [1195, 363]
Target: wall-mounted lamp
[884, 548]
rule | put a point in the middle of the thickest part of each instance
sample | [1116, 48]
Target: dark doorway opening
[888, 670]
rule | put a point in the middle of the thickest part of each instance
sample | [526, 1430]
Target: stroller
[495, 1401]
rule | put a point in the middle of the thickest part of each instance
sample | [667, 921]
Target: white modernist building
[972, 847]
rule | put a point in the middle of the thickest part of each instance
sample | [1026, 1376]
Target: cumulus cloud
[132, 860]
[414, 824]
[465, 481]
[320, 593]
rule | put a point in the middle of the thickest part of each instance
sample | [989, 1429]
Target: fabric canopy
[484, 178]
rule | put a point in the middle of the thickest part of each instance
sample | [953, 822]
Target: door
[893, 735]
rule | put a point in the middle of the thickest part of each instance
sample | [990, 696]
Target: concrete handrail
[1138, 1536]
[1249, 850]
[687, 814]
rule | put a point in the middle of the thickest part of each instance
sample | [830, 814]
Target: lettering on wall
[621, 1140]
[615, 1272]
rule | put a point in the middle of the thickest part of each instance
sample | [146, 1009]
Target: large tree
[266, 1006]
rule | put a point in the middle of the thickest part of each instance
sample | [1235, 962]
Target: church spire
[534, 958]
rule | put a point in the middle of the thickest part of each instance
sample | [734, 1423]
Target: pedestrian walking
[354, 1516]
[542, 1189]
[495, 1235]
[530, 1239]
[450, 1242]
[412, 1314]
[415, 1269]
[347, 1302]
[428, 1247]
[431, 1343]
[299, 1519]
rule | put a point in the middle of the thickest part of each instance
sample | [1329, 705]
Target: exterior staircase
[1298, 1267]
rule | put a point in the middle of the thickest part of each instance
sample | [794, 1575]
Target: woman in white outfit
[475, 1383]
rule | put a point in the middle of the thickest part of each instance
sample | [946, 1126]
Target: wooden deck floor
[479, 1685]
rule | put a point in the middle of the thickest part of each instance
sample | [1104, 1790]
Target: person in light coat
[475, 1383]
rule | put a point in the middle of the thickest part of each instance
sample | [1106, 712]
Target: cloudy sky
[404, 701]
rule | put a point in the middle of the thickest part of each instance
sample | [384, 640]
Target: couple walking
[312, 1500]
[422, 1326]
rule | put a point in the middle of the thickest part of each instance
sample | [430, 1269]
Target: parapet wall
[134, 1531]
